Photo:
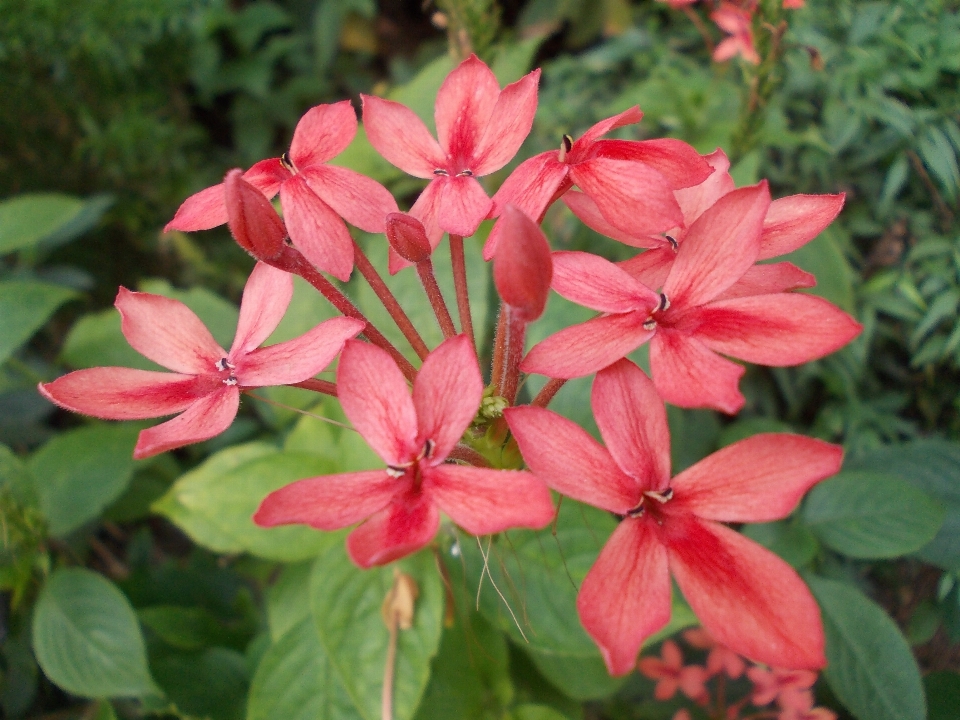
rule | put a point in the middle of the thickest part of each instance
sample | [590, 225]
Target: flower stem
[460, 283]
[547, 392]
[499, 349]
[468, 455]
[516, 334]
[320, 386]
[432, 289]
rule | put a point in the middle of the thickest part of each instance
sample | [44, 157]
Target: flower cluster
[698, 290]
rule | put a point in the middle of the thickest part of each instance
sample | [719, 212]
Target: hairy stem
[516, 334]
[460, 283]
[547, 392]
[320, 386]
[468, 455]
[499, 349]
[432, 289]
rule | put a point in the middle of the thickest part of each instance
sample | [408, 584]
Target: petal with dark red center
[586, 209]
[316, 230]
[568, 459]
[719, 248]
[401, 137]
[374, 397]
[677, 161]
[522, 267]
[651, 267]
[694, 200]
[296, 360]
[116, 393]
[585, 348]
[633, 422]
[323, 132]
[583, 144]
[329, 502]
[446, 394]
[599, 284]
[779, 330]
[631, 196]
[794, 221]
[625, 597]
[206, 418]
[688, 374]
[758, 479]
[200, 211]
[464, 105]
[508, 126]
[265, 299]
[356, 198]
[484, 501]
[463, 206]
[167, 332]
[403, 527]
[746, 597]
[768, 279]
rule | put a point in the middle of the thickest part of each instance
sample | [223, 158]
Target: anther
[661, 496]
[285, 161]
[673, 242]
[566, 145]
[637, 511]
[428, 447]
[649, 324]
[664, 303]
[440, 171]
[395, 471]
[465, 173]
[231, 381]
[223, 364]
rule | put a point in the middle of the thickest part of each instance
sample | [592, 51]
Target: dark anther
[649, 324]
[662, 496]
[440, 171]
[637, 511]
[664, 303]
[285, 161]
[396, 472]
[230, 381]
[428, 448]
[673, 242]
[567, 143]
[465, 173]
[222, 364]
[287, 241]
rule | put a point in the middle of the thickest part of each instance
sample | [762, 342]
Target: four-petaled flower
[672, 675]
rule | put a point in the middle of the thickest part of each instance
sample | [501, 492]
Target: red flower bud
[522, 266]
[408, 237]
[253, 221]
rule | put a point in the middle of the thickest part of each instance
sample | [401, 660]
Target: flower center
[399, 470]
[287, 163]
[566, 145]
[661, 496]
[224, 365]
[651, 323]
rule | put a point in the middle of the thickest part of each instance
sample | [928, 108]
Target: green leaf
[535, 712]
[346, 609]
[822, 257]
[214, 503]
[870, 666]
[513, 60]
[943, 694]
[188, 628]
[288, 599]
[211, 684]
[25, 220]
[80, 472]
[87, 639]
[789, 539]
[870, 515]
[24, 308]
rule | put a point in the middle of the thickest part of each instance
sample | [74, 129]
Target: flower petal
[599, 284]
[361, 201]
[508, 126]
[584, 143]
[768, 279]
[569, 460]
[794, 221]
[117, 393]
[167, 332]
[625, 597]
[463, 206]
[316, 230]
[780, 330]
[464, 106]
[252, 219]
[427, 210]
[694, 200]
[688, 374]
[651, 267]
[484, 501]
[401, 137]
[323, 132]
[374, 397]
[447, 394]
[265, 299]
[206, 418]
[746, 597]
[758, 479]
[267, 176]
[585, 348]
[329, 502]
[633, 422]
[522, 267]
[296, 360]
[677, 161]
[586, 209]
[403, 527]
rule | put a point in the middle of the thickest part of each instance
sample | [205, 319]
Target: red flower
[414, 436]
[206, 380]
[745, 596]
[313, 194]
[736, 22]
[720, 659]
[672, 674]
[788, 687]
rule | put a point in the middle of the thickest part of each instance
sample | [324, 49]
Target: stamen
[428, 447]
[285, 162]
[673, 242]
[664, 303]
[440, 171]
[465, 173]
[566, 144]
[637, 511]
[395, 471]
[223, 364]
[660, 496]
[231, 381]
[649, 324]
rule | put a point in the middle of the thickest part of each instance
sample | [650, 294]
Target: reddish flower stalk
[320, 386]
[458, 261]
[548, 391]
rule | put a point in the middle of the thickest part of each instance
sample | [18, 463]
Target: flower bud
[522, 266]
[408, 237]
[253, 221]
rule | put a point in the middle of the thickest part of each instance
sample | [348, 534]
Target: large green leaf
[870, 666]
[210, 684]
[87, 639]
[25, 220]
[870, 515]
[214, 503]
[822, 257]
[346, 605]
[24, 307]
[80, 472]
[288, 599]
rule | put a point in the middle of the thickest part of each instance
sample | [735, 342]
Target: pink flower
[736, 22]
[745, 596]
[313, 194]
[720, 659]
[672, 674]
[781, 684]
[401, 505]
[793, 4]
[206, 381]
[480, 128]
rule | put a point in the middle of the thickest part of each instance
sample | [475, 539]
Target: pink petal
[115, 393]
[427, 210]
[483, 501]
[361, 201]
[265, 299]
[463, 206]
[167, 332]
[267, 176]
[779, 330]
[296, 360]
[694, 200]
[651, 267]
[374, 397]
[625, 597]
[688, 374]
[464, 105]
[508, 126]
[522, 267]
[316, 230]
[633, 422]
[252, 219]
[401, 137]
[726, 49]
[323, 132]
[758, 479]
[206, 418]
[769, 279]
[446, 394]
[746, 597]
[586, 209]
[407, 524]
[631, 196]
[794, 221]
[585, 141]
[329, 502]
[200, 211]
[599, 284]
[407, 238]
[677, 161]
[569, 460]
[585, 348]
[722, 244]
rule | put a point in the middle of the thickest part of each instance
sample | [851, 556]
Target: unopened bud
[253, 221]
[522, 266]
[408, 237]
[398, 605]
